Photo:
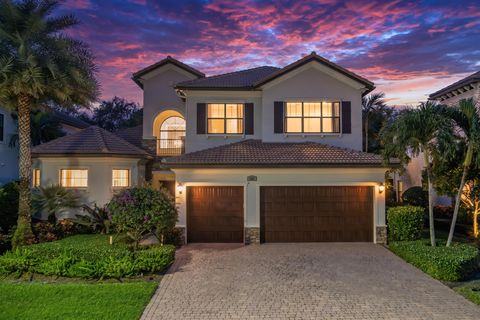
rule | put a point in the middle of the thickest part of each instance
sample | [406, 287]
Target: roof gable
[473, 78]
[168, 60]
[313, 57]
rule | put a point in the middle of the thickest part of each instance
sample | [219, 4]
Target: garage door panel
[215, 214]
[322, 214]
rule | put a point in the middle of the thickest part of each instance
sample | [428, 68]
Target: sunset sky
[408, 48]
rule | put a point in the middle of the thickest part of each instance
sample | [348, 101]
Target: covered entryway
[215, 214]
[316, 214]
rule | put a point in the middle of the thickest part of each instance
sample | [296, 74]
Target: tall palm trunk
[430, 197]
[24, 229]
[466, 165]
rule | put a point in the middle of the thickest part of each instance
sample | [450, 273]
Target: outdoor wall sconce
[381, 188]
[180, 188]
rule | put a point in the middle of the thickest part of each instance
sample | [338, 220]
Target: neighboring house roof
[252, 79]
[471, 79]
[90, 141]
[70, 120]
[255, 153]
[136, 76]
[244, 79]
[132, 135]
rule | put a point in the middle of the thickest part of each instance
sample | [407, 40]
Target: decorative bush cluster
[405, 223]
[86, 256]
[415, 196]
[140, 210]
[452, 263]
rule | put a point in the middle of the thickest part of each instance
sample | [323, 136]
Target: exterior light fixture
[381, 188]
[180, 188]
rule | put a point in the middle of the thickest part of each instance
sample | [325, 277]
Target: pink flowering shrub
[140, 210]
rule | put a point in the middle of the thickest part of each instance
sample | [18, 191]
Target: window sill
[338, 134]
[225, 136]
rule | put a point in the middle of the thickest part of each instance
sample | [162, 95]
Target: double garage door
[287, 214]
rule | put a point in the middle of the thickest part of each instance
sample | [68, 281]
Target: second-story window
[225, 118]
[312, 117]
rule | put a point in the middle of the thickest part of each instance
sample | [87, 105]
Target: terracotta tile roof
[90, 141]
[457, 85]
[243, 79]
[132, 135]
[136, 76]
[255, 153]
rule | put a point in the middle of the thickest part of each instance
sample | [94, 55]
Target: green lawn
[23, 300]
[470, 290]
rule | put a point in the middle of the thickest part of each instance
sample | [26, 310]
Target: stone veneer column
[252, 235]
[381, 233]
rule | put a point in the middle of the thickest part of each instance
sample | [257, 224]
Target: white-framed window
[36, 178]
[74, 178]
[120, 178]
[312, 117]
[225, 118]
[2, 127]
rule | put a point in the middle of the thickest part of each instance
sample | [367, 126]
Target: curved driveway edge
[301, 281]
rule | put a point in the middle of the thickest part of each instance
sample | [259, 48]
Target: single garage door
[215, 214]
[316, 214]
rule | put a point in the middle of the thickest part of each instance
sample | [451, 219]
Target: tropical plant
[43, 128]
[53, 200]
[117, 113]
[8, 205]
[39, 63]
[416, 132]
[140, 210]
[467, 121]
[97, 218]
[371, 103]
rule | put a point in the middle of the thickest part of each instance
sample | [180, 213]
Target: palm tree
[43, 128]
[467, 121]
[419, 132]
[369, 103]
[39, 63]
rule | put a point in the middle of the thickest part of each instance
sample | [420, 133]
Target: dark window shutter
[278, 116]
[346, 117]
[201, 118]
[249, 118]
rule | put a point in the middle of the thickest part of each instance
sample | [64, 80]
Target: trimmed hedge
[452, 263]
[405, 223]
[86, 256]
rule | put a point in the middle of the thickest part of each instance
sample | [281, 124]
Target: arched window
[172, 136]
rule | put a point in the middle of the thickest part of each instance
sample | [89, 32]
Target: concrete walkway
[301, 281]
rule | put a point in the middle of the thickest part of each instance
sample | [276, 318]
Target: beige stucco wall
[194, 142]
[159, 94]
[279, 177]
[313, 82]
[99, 189]
[8, 156]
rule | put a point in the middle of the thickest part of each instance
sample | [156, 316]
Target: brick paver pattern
[301, 281]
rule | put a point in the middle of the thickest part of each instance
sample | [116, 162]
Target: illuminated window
[120, 178]
[225, 118]
[36, 178]
[74, 178]
[312, 117]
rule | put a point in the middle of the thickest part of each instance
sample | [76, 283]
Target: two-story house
[259, 155]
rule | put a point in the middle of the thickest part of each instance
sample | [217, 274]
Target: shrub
[86, 256]
[452, 263]
[96, 218]
[415, 196]
[53, 200]
[140, 210]
[405, 223]
[9, 206]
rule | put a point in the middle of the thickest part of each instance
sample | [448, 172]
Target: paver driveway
[301, 281]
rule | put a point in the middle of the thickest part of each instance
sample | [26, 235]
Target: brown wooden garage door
[215, 214]
[316, 214]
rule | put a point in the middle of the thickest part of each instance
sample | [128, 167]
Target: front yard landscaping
[33, 300]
